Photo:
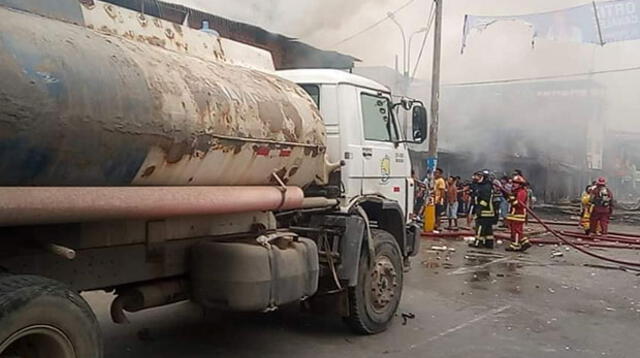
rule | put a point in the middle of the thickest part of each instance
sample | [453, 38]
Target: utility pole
[435, 83]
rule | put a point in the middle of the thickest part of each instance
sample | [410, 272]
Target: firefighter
[484, 210]
[602, 201]
[519, 200]
[587, 208]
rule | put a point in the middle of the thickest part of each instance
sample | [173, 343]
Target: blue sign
[598, 23]
[432, 164]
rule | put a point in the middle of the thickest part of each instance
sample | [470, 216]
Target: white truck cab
[364, 132]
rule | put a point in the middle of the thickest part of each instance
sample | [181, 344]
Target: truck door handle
[367, 153]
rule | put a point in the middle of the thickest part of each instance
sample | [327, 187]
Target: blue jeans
[452, 210]
[504, 208]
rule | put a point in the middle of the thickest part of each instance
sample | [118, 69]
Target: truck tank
[83, 108]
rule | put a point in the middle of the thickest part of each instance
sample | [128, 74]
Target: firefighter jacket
[484, 200]
[519, 200]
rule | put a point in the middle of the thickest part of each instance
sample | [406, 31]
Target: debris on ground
[443, 248]
[485, 254]
[406, 316]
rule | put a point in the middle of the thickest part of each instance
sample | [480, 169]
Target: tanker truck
[162, 163]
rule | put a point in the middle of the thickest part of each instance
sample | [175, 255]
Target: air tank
[83, 108]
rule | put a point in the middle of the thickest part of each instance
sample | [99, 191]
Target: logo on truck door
[385, 169]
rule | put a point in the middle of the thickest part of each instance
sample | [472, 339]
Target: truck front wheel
[42, 318]
[374, 301]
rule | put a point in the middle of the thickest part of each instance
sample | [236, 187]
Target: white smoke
[502, 51]
[296, 18]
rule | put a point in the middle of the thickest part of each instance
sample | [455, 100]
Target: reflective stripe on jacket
[484, 200]
[518, 200]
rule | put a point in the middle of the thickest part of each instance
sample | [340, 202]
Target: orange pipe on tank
[57, 205]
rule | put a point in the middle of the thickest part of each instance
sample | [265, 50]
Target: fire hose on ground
[617, 240]
[563, 239]
[609, 238]
[570, 223]
[577, 247]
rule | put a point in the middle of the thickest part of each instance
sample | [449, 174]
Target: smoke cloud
[528, 119]
[503, 51]
[296, 18]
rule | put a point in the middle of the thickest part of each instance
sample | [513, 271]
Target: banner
[619, 20]
[595, 23]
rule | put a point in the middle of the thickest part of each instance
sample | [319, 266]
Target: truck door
[385, 168]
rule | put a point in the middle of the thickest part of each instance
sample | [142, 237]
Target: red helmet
[601, 181]
[519, 179]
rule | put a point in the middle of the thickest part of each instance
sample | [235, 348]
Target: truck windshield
[377, 118]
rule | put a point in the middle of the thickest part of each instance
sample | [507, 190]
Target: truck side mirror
[420, 124]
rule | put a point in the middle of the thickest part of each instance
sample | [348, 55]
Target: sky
[503, 51]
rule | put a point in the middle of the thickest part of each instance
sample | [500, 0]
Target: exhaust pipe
[148, 296]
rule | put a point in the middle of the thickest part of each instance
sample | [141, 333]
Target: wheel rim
[37, 341]
[384, 284]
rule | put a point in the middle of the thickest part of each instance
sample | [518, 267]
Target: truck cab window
[377, 118]
[314, 92]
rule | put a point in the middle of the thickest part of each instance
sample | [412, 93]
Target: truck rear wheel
[42, 318]
[374, 301]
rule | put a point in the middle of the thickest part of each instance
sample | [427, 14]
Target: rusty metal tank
[83, 108]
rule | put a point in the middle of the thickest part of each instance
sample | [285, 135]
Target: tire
[374, 301]
[43, 318]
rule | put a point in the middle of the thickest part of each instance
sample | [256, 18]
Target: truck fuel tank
[255, 275]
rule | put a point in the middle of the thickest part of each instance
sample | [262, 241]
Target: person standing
[517, 217]
[452, 202]
[602, 201]
[461, 204]
[439, 193]
[484, 210]
[468, 192]
[505, 182]
[419, 194]
[587, 208]
[497, 198]
[531, 199]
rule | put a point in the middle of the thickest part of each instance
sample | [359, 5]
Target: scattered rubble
[443, 248]
[406, 316]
